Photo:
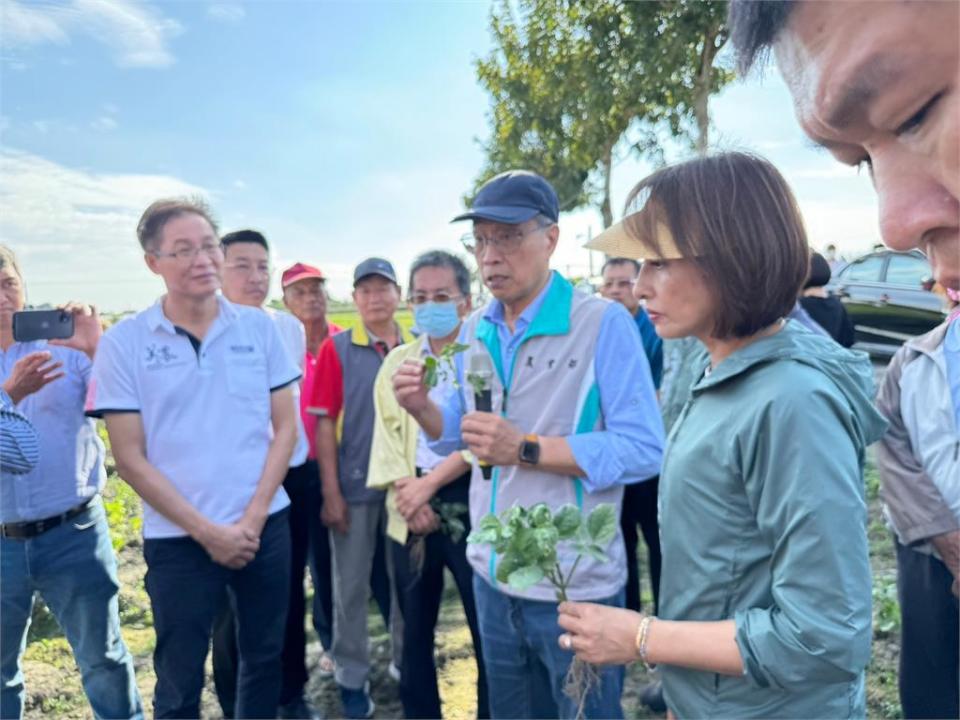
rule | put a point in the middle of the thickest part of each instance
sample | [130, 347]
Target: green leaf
[602, 524]
[430, 372]
[525, 576]
[508, 563]
[567, 521]
[591, 550]
[540, 515]
[488, 531]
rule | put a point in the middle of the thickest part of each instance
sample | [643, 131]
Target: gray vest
[360, 362]
[552, 392]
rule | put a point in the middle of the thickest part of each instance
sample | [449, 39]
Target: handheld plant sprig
[442, 366]
[526, 539]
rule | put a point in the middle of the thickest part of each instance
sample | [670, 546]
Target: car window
[866, 270]
[907, 270]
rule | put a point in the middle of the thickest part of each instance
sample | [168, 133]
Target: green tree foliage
[574, 82]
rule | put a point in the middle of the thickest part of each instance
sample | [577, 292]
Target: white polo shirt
[205, 409]
[295, 341]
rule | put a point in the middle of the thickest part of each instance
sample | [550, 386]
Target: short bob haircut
[734, 215]
[155, 218]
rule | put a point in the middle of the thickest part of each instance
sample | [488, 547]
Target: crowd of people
[701, 396]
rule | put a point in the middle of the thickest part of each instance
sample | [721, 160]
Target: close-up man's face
[188, 256]
[246, 273]
[876, 83]
[376, 298]
[306, 299]
[618, 281]
[513, 258]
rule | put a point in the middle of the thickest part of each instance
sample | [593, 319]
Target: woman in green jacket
[766, 588]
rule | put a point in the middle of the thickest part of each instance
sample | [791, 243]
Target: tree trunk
[712, 42]
[605, 207]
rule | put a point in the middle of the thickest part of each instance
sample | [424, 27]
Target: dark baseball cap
[514, 197]
[374, 266]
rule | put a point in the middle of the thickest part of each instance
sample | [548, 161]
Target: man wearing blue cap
[342, 400]
[574, 419]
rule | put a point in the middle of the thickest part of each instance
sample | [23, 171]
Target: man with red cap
[305, 296]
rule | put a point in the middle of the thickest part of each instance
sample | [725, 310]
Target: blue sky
[340, 129]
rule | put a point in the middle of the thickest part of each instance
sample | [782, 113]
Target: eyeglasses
[439, 297]
[189, 254]
[247, 269]
[506, 241]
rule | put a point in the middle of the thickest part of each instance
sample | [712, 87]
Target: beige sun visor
[615, 241]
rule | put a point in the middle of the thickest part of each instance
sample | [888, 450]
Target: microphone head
[481, 366]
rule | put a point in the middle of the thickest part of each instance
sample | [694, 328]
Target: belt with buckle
[32, 528]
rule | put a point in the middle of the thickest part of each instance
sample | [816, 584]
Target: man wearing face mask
[413, 475]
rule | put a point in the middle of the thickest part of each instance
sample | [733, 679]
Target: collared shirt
[295, 341]
[19, 446]
[444, 391]
[652, 345]
[951, 355]
[630, 449]
[205, 404]
[306, 392]
[70, 468]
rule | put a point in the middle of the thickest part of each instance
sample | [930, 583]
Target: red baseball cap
[297, 272]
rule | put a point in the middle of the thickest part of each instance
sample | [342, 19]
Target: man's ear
[151, 260]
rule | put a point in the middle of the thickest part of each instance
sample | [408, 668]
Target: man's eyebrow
[868, 79]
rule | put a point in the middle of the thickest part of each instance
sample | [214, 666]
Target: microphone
[479, 376]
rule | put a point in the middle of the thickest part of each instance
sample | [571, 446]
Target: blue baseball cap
[374, 266]
[514, 197]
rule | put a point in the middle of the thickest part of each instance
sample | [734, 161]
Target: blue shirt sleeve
[630, 446]
[19, 446]
[452, 409]
[652, 346]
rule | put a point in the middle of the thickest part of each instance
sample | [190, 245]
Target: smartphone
[29, 325]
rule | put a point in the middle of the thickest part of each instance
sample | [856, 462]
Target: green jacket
[764, 521]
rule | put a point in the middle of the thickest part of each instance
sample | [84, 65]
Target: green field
[351, 318]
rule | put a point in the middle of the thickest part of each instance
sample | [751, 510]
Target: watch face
[530, 452]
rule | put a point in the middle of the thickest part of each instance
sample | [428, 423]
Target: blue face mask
[438, 320]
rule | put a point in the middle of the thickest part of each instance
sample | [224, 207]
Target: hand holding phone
[87, 328]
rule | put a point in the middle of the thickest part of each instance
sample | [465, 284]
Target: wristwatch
[530, 450]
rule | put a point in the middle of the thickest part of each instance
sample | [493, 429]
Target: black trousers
[640, 508]
[187, 591]
[929, 650]
[420, 597]
[308, 538]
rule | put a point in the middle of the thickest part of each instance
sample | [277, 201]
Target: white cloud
[136, 33]
[104, 123]
[75, 231]
[226, 12]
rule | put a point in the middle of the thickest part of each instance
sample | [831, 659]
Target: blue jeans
[526, 667]
[186, 587]
[73, 568]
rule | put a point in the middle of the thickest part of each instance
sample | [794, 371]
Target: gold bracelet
[641, 635]
[645, 636]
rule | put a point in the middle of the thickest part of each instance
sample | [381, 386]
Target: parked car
[890, 297]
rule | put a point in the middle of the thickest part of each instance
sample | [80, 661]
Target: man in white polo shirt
[190, 389]
[246, 281]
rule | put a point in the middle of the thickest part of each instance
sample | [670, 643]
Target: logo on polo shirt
[159, 356]
[242, 349]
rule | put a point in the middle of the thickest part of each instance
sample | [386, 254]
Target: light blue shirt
[630, 448]
[951, 354]
[70, 467]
